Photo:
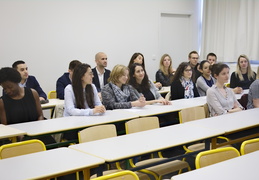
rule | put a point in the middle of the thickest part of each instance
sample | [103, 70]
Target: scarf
[121, 95]
[188, 88]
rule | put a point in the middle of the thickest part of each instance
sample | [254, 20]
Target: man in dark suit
[28, 81]
[101, 74]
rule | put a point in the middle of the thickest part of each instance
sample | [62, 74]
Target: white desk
[164, 89]
[230, 123]
[56, 125]
[130, 145]
[240, 168]
[52, 103]
[8, 132]
[177, 105]
[46, 164]
[238, 96]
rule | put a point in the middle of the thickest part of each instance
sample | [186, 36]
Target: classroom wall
[49, 34]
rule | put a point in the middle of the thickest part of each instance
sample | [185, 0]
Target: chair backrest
[249, 146]
[213, 156]
[141, 124]
[227, 85]
[243, 100]
[168, 96]
[21, 148]
[97, 132]
[122, 175]
[190, 114]
[52, 95]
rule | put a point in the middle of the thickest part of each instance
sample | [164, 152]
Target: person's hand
[158, 85]
[141, 102]
[238, 90]
[99, 109]
[42, 99]
[164, 101]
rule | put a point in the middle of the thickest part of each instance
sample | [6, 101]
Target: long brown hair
[80, 95]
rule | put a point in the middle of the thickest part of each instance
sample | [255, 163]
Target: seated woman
[205, 81]
[243, 77]
[117, 94]
[19, 104]
[220, 99]
[165, 73]
[81, 97]
[139, 80]
[182, 85]
[139, 58]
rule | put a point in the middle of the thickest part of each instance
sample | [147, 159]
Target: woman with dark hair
[243, 77]
[81, 97]
[139, 80]
[117, 94]
[182, 85]
[220, 99]
[19, 104]
[139, 58]
[205, 81]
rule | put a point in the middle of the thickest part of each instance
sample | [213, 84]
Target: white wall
[49, 34]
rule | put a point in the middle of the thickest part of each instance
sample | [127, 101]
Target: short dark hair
[73, 64]
[217, 68]
[211, 54]
[16, 63]
[179, 71]
[192, 52]
[9, 74]
[202, 63]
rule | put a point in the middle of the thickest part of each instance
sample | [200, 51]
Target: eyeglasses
[104, 59]
[188, 70]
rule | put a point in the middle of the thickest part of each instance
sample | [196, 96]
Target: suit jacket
[62, 82]
[33, 83]
[96, 78]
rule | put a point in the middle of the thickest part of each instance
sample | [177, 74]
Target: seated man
[101, 74]
[65, 79]
[253, 95]
[28, 81]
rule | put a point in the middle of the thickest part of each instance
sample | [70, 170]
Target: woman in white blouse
[220, 99]
[81, 97]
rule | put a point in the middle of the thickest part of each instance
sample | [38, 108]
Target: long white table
[62, 124]
[135, 144]
[47, 164]
[240, 168]
[10, 132]
[230, 123]
[177, 105]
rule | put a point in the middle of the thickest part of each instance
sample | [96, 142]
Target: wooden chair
[122, 175]
[102, 132]
[210, 157]
[249, 146]
[168, 96]
[21, 148]
[147, 123]
[191, 114]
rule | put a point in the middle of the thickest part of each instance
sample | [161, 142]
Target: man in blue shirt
[27, 80]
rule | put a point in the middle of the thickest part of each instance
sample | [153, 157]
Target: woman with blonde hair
[165, 73]
[243, 77]
[117, 94]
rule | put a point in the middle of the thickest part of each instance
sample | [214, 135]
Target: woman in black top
[243, 77]
[183, 85]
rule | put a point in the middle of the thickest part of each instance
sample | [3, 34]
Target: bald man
[101, 74]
